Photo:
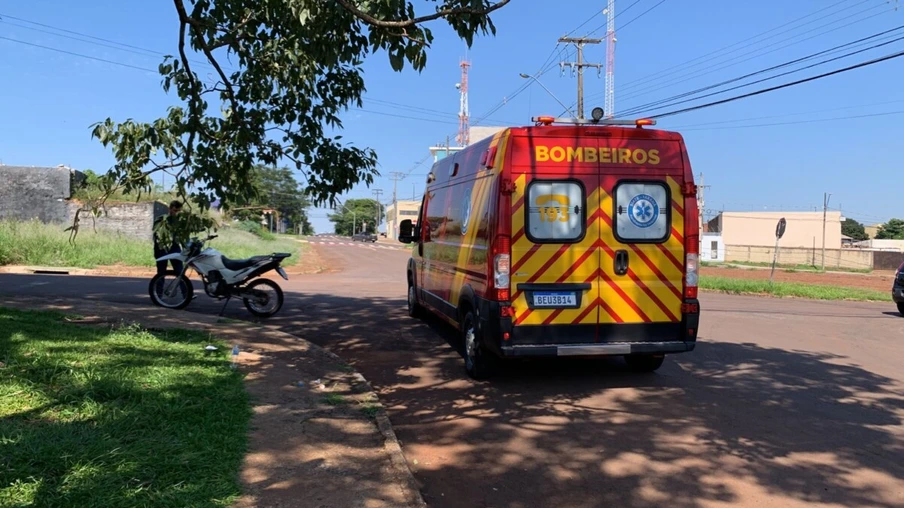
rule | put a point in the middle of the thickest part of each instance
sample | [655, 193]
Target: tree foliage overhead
[356, 215]
[276, 75]
[854, 229]
[891, 230]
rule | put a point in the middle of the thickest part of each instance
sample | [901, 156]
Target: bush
[256, 229]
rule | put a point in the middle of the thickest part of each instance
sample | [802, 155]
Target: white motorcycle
[222, 278]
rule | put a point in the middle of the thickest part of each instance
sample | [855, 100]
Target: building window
[555, 211]
[714, 248]
[642, 211]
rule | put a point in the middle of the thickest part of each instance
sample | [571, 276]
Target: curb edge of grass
[390, 441]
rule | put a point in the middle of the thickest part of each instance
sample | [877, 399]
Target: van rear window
[643, 212]
[555, 211]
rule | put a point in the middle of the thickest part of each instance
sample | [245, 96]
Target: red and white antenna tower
[464, 115]
[609, 102]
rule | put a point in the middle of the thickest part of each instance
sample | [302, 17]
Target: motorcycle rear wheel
[271, 302]
[183, 291]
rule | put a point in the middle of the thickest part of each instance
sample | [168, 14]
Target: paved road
[784, 402]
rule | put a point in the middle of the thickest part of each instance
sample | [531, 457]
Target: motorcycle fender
[282, 272]
[176, 256]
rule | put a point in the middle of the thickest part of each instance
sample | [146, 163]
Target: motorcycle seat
[241, 264]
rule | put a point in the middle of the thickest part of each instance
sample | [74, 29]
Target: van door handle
[621, 262]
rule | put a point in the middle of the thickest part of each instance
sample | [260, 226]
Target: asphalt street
[784, 402]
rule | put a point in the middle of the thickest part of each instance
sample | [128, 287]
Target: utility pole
[579, 65]
[395, 176]
[825, 209]
[701, 209]
[377, 193]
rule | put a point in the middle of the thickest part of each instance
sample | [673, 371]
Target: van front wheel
[479, 363]
[644, 363]
[414, 307]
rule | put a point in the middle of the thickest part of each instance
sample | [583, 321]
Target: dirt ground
[879, 281]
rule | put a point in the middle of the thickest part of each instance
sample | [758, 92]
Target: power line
[80, 55]
[769, 117]
[799, 122]
[122, 46]
[754, 55]
[785, 85]
[689, 64]
[644, 13]
[672, 101]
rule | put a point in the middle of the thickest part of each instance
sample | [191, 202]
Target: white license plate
[555, 300]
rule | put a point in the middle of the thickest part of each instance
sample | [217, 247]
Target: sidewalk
[326, 444]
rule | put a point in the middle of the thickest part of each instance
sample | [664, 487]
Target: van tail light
[502, 267]
[691, 276]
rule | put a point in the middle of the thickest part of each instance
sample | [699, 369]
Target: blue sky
[786, 160]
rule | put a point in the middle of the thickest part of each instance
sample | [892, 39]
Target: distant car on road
[364, 237]
[897, 289]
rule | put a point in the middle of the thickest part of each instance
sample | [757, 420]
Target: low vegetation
[791, 289]
[116, 417]
[36, 244]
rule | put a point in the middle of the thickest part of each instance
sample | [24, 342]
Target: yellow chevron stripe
[647, 276]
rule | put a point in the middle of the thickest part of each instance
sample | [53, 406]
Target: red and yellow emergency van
[564, 238]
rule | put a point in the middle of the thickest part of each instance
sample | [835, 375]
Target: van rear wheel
[901, 308]
[644, 363]
[479, 363]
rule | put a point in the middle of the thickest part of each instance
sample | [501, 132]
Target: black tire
[415, 310]
[901, 308]
[279, 298]
[644, 363]
[185, 284]
[479, 363]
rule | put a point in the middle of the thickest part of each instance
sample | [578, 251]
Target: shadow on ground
[730, 422]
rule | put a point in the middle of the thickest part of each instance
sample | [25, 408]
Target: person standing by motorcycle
[160, 239]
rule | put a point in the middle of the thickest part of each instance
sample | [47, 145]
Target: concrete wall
[835, 258]
[803, 229]
[28, 193]
[135, 220]
[887, 260]
[890, 245]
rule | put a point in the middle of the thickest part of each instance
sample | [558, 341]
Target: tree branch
[370, 20]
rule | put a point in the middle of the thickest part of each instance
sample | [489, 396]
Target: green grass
[333, 399]
[116, 417]
[36, 244]
[786, 267]
[791, 289]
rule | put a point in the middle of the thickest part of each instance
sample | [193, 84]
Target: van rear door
[641, 224]
[555, 263]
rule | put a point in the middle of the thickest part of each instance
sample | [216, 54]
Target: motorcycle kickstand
[224, 305]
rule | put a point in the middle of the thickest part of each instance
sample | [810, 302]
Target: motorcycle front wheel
[170, 290]
[266, 299]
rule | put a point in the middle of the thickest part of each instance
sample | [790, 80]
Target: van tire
[644, 363]
[479, 363]
[901, 308]
[414, 307]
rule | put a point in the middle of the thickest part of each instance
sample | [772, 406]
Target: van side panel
[458, 224]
